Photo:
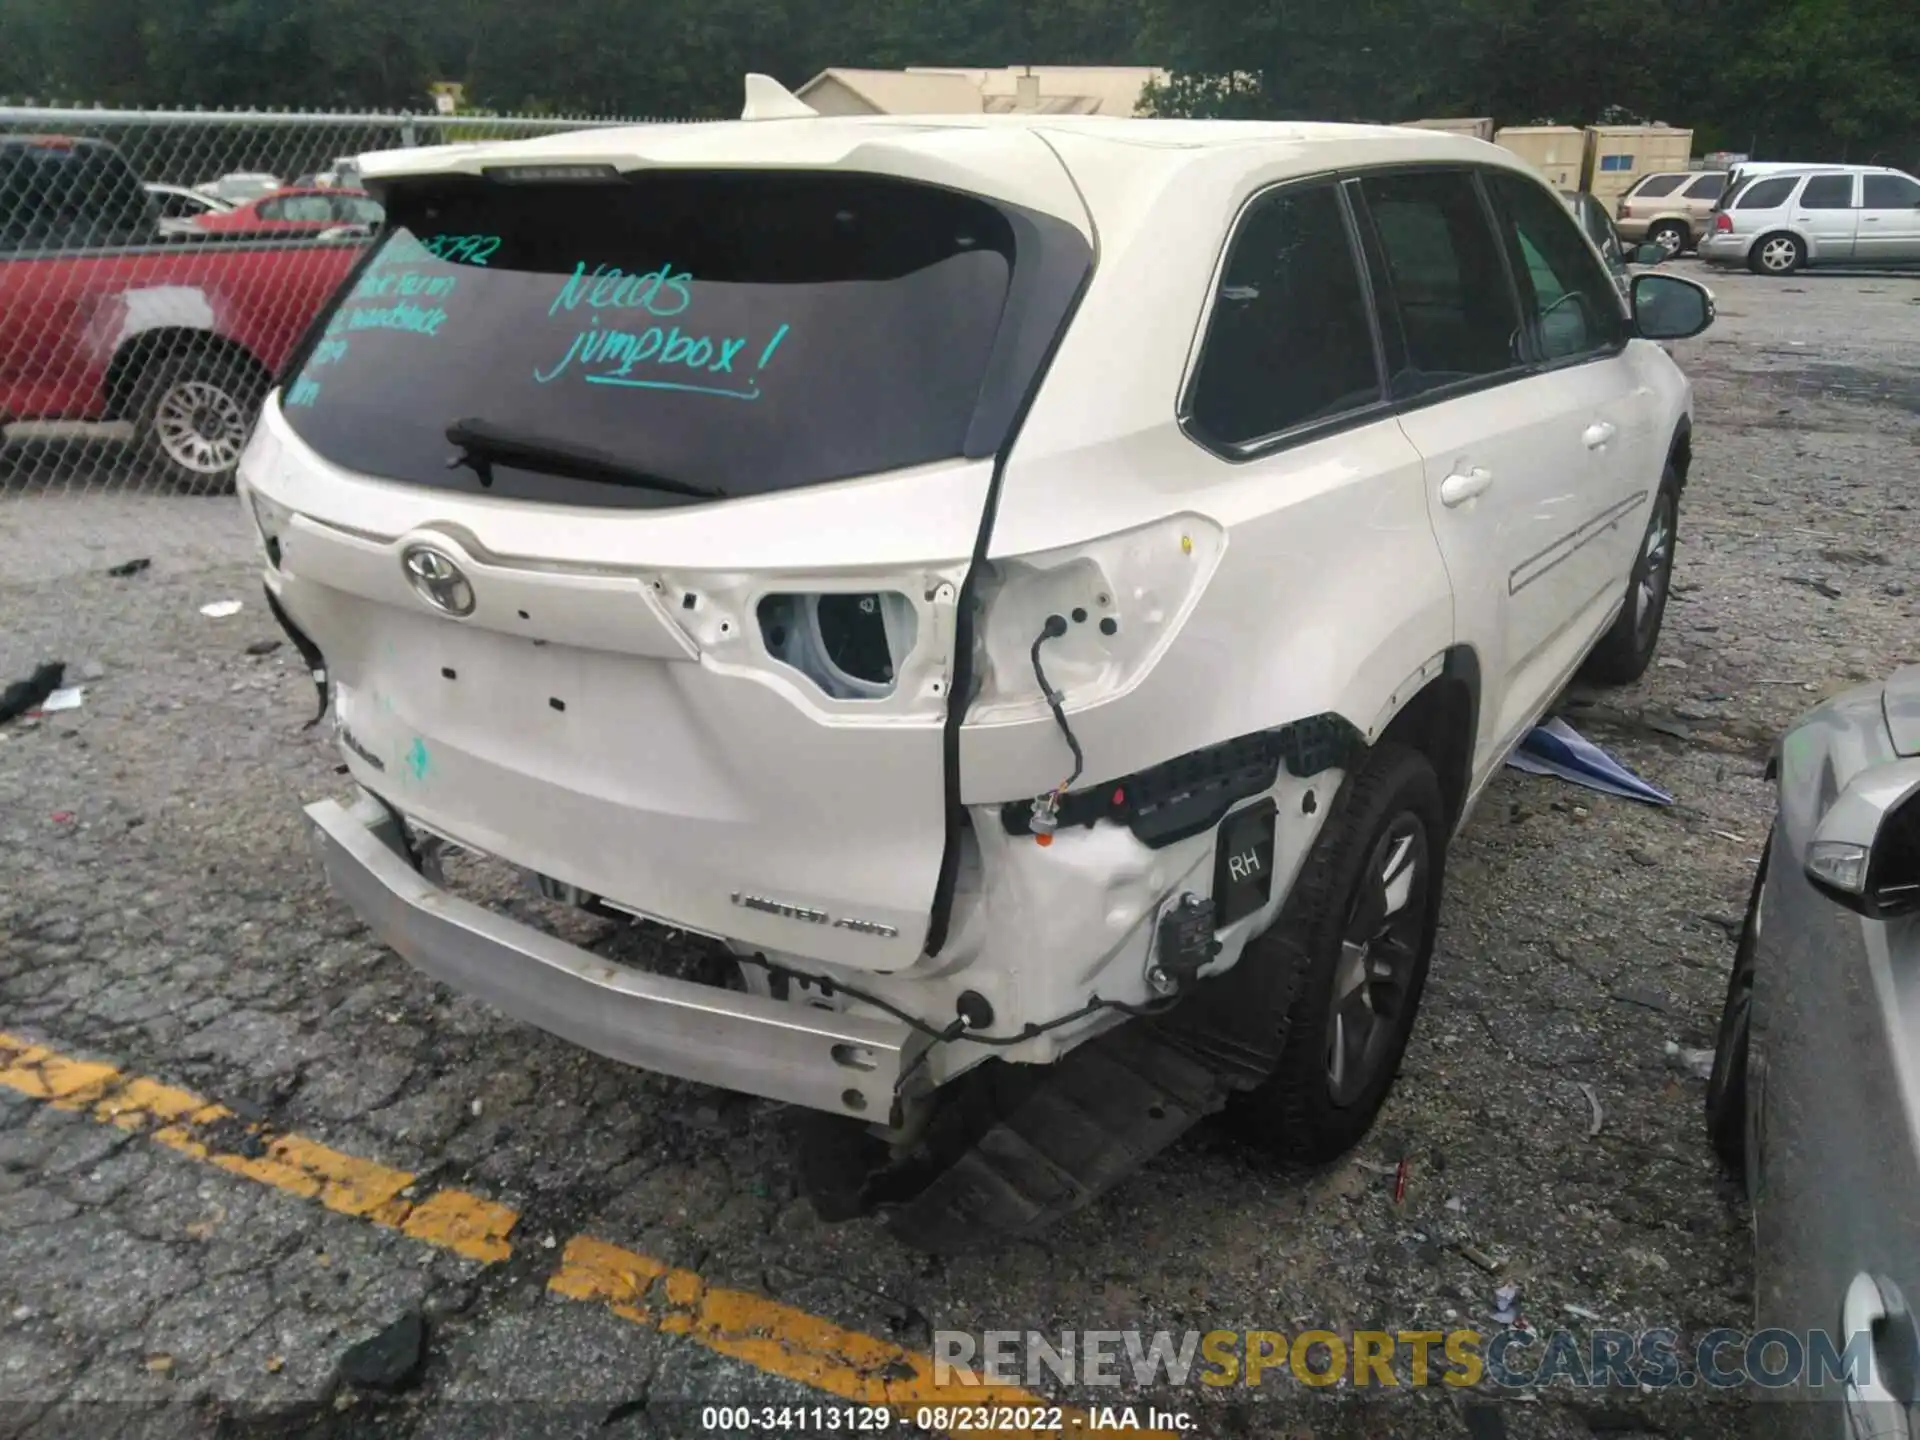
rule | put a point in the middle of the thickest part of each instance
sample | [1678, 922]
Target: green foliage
[1782, 78]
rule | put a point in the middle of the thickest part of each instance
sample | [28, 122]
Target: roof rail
[768, 99]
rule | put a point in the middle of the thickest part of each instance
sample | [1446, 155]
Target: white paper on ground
[66, 699]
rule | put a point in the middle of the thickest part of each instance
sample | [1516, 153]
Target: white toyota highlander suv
[1038, 594]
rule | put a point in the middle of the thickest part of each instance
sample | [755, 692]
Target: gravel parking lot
[162, 913]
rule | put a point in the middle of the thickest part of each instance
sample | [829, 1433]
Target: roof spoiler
[768, 99]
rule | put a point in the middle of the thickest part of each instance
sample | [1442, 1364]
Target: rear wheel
[1625, 651]
[1365, 928]
[1671, 236]
[1727, 1085]
[1777, 254]
[192, 415]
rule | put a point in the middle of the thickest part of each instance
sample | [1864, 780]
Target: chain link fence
[156, 267]
[156, 270]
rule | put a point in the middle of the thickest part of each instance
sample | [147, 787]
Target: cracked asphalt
[162, 912]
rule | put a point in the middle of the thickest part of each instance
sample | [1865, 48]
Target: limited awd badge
[436, 579]
[807, 915]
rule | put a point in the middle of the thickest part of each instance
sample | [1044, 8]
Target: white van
[1777, 222]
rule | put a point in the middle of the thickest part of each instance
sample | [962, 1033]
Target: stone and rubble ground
[161, 910]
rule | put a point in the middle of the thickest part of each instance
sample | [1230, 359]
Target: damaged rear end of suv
[805, 534]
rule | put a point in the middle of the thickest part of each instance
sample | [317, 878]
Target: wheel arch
[1680, 451]
[1441, 720]
[143, 351]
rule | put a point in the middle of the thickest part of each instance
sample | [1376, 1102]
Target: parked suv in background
[1829, 215]
[1057, 729]
[1672, 209]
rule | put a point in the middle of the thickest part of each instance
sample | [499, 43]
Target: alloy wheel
[1656, 570]
[1379, 953]
[201, 426]
[1779, 255]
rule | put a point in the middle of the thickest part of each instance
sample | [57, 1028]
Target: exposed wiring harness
[1047, 807]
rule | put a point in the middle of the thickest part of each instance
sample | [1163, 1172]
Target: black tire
[1310, 1109]
[1671, 236]
[1727, 1085]
[192, 415]
[1778, 254]
[1628, 647]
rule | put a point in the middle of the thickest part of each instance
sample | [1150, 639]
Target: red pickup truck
[103, 320]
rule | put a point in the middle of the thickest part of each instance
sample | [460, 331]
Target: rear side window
[64, 195]
[1289, 341]
[1766, 194]
[1889, 192]
[1828, 192]
[1444, 295]
[1654, 186]
[1571, 306]
[733, 331]
[1707, 187]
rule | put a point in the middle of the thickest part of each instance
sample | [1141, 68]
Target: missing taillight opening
[850, 645]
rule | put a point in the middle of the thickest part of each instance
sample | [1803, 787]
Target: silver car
[1815, 1092]
[1824, 215]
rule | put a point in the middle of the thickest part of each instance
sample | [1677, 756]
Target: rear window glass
[731, 331]
[1655, 186]
[1767, 194]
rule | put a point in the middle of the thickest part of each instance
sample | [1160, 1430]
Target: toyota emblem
[437, 580]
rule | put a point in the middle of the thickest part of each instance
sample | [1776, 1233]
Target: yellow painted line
[183, 1121]
[778, 1339]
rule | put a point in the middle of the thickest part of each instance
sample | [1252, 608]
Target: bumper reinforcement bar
[844, 1064]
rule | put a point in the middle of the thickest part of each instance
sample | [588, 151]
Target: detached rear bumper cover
[845, 1064]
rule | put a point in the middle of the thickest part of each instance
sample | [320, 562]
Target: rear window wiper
[483, 444]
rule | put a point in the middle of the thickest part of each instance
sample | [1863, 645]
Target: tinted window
[1707, 187]
[735, 330]
[1570, 304]
[1289, 341]
[1654, 186]
[1444, 294]
[59, 194]
[1766, 194]
[1889, 192]
[1828, 192]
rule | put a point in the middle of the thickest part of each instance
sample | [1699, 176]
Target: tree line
[1781, 79]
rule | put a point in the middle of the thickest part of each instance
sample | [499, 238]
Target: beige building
[942, 90]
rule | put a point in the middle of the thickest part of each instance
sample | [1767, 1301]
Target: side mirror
[1865, 853]
[1651, 254]
[1667, 307]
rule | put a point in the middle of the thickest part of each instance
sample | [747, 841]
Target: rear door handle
[1463, 485]
[1597, 434]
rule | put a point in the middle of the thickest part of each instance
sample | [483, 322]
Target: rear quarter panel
[1305, 582]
